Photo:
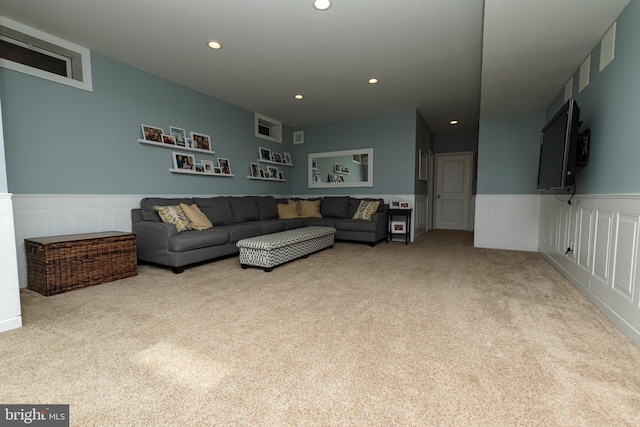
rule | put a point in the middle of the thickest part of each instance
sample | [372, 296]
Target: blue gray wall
[392, 137]
[508, 151]
[63, 140]
[509, 145]
[4, 188]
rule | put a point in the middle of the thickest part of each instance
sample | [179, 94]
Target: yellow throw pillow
[310, 208]
[199, 221]
[174, 215]
[288, 211]
[366, 210]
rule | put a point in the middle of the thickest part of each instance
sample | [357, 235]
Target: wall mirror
[347, 168]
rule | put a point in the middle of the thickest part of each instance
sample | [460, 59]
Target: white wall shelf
[174, 147]
[276, 163]
[190, 172]
[265, 179]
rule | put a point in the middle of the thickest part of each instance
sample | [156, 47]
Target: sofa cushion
[147, 204]
[243, 231]
[288, 210]
[199, 221]
[320, 222]
[354, 203]
[357, 225]
[271, 226]
[309, 208]
[174, 215]
[335, 207]
[244, 209]
[217, 209]
[198, 239]
[366, 209]
[290, 224]
[267, 207]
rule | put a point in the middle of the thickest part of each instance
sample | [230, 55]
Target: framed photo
[199, 167]
[217, 170]
[225, 166]
[168, 139]
[314, 164]
[264, 154]
[340, 178]
[262, 174]
[273, 172]
[394, 204]
[340, 168]
[152, 133]
[183, 161]
[255, 170]
[405, 205]
[315, 177]
[201, 141]
[280, 175]
[333, 178]
[208, 166]
[188, 142]
[398, 227]
[179, 134]
[276, 157]
[287, 158]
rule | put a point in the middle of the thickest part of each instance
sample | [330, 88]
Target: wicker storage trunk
[63, 263]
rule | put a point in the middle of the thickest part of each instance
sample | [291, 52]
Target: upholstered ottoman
[277, 248]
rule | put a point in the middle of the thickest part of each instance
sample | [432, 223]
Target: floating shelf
[174, 147]
[190, 172]
[265, 179]
[276, 163]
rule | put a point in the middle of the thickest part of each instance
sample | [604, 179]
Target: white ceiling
[428, 54]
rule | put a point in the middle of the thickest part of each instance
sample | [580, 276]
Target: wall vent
[30, 51]
[298, 137]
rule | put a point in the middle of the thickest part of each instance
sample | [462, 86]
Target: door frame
[470, 209]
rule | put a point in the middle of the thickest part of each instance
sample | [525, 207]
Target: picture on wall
[225, 166]
[280, 175]
[168, 139]
[405, 205]
[276, 157]
[183, 161]
[201, 141]
[287, 158]
[152, 133]
[255, 170]
[188, 142]
[217, 170]
[264, 154]
[208, 166]
[273, 172]
[179, 134]
[394, 204]
[199, 167]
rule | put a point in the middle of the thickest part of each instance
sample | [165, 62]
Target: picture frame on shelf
[280, 175]
[394, 204]
[217, 170]
[183, 161]
[340, 168]
[152, 133]
[405, 205]
[225, 166]
[262, 173]
[333, 178]
[188, 142]
[340, 178]
[254, 168]
[264, 154]
[168, 139]
[315, 177]
[199, 167]
[273, 172]
[179, 134]
[201, 141]
[287, 158]
[398, 227]
[276, 157]
[208, 166]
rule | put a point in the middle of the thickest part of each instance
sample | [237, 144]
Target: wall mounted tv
[563, 149]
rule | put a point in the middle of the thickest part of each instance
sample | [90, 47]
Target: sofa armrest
[380, 217]
[153, 240]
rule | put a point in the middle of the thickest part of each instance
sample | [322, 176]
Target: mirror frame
[369, 183]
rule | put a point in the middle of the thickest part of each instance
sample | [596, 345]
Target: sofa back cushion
[267, 207]
[335, 207]
[217, 209]
[354, 203]
[244, 209]
[309, 208]
[150, 214]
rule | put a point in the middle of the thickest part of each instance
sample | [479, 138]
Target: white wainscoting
[601, 233]
[10, 314]
[507, 221]
[420, 215]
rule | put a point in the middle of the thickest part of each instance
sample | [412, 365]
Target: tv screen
[558, 148]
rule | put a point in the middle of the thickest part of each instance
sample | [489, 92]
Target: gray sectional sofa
[236, 218]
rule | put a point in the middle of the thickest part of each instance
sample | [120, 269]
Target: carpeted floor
[432, 333]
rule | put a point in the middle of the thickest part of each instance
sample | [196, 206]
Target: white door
[453, 190]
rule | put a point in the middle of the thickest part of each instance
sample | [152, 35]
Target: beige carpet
[433, 333]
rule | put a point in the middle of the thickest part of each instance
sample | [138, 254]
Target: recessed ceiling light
[322, 4]
[298, 96]
[214, 45]
[453, 122]
[373, 81]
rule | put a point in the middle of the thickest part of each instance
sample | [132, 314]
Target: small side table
[407, 223]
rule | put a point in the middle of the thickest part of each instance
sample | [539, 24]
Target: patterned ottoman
[274, 249]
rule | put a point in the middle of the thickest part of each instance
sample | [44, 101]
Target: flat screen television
[563, 150]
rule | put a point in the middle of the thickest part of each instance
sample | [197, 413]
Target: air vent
[30, 51]
[298, 137]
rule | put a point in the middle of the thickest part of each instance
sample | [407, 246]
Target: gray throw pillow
[267, 207]
[244, 209]
[217, 209]
[334, 207]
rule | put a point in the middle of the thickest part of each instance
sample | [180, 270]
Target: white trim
[10, 312]
[84, 53]
[312, 156]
